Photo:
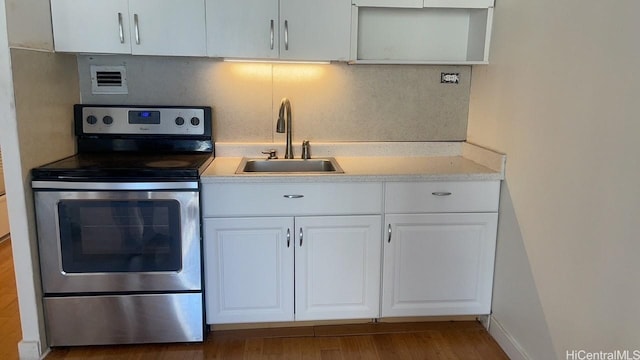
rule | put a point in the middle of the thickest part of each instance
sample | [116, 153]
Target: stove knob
[91, 120]
[179, 120]
[195, 121]
[108, 120]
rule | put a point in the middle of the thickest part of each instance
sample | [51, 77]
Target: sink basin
[324, 165]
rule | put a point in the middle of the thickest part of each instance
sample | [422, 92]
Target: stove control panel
[139, 120]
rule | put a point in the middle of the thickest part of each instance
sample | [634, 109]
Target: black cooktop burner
[168, 163]
[125, 167]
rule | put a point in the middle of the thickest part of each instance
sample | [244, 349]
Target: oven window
[120, 236]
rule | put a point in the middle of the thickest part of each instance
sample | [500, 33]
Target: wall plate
[109, 79]
[449, 78]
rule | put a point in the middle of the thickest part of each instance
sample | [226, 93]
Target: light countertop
[468, 162]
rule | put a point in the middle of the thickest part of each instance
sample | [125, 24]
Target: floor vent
[108, 80]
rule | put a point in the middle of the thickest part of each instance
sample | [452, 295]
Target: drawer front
[443, 196]
[297, 199]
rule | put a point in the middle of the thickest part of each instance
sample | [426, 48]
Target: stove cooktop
[125, 167]
[136, 143]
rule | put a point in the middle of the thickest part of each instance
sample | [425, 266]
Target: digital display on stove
[144, 117]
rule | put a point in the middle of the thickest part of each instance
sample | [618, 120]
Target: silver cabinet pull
[272, 32]
[136, 27]
[441, 193]
[286, 35]
[293, 196]
[389, 231]
[288, 237]
[300, 237]
[120, 28]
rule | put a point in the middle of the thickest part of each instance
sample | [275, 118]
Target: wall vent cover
[109, 80]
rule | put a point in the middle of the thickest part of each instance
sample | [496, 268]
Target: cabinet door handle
[136, 28]
[300, 237]
[389, 231]
[441, 193]
[121, 28]
[272, 34]
[293, 196]
[288, 237]
[286, 35]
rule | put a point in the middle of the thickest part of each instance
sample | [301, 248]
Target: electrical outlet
[449, 78]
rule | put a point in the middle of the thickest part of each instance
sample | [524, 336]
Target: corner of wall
[508, 344]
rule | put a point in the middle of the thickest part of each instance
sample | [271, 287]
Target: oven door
[126, 239]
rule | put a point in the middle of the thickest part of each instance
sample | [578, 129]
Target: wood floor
[10, 332]
[432, 340]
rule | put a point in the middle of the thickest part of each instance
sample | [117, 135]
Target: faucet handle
[306, 151]
[273, 153]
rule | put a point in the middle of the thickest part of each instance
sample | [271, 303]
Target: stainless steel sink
[320, 165]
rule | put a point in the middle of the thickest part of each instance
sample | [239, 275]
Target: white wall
[26, 286]
[37, 90]
[45, 87]
[561, 97]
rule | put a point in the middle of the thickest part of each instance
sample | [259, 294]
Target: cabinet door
[168, 27]
[242, 28]
[97, 26]
[248, 270]
[438, 264]
[315, 30]
[337, 267]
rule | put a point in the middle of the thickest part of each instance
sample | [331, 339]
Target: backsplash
[335, 102]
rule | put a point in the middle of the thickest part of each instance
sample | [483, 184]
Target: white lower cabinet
[337, 267]
[320, 251]
[438, 264]
[249, 268]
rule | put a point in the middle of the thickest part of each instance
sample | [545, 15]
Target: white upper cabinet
[168, 27]
[421, 31]
[285, 29]
[140, 27]
[315, 30]
[390, 3]
[243, 28]
[469, 4]
[425, 3]
[98, 26]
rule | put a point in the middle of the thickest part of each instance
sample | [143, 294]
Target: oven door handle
[140, 186]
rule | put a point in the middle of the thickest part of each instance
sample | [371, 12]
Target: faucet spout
[284, 124]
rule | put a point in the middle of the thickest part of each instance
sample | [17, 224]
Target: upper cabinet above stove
[279, 29]
[358, 31]
[421, 31]
[139, 27]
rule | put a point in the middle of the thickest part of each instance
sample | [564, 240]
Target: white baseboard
[508, 344]
[29, 350]
[4, 217]
[485, 320]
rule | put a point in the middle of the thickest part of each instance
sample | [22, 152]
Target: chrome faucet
[285, 112]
